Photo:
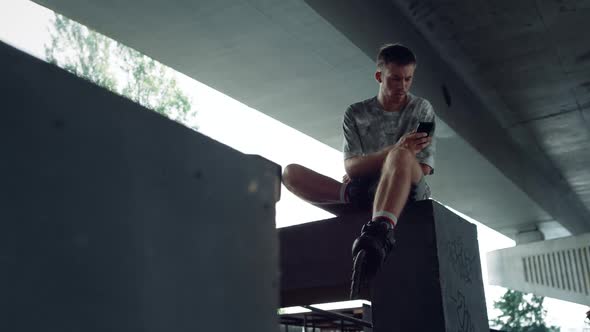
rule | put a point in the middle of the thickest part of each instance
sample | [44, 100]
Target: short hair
[395, 53]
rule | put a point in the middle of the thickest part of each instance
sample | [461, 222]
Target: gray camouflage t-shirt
[368, 128]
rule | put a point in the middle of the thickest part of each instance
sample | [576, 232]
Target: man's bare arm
[370, 164]
[367, 165]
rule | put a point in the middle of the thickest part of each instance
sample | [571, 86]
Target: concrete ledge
[431, 281]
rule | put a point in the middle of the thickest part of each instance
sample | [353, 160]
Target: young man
[385, 159]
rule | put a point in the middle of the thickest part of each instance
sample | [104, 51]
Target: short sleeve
[426, 114]
[352, 145]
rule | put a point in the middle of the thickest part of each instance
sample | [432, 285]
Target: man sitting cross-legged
[385, 159]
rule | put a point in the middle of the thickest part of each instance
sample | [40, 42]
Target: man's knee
[292, 174]
[402, 159]
[399, 158]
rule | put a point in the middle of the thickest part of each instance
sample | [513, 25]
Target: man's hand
[345, 178]
[414, 141]
[370, 164]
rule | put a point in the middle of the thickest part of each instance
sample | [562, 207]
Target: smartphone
[425, 127]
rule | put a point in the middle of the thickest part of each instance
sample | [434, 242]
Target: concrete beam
[558, 268]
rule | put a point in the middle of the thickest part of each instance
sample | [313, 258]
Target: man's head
[395, 71]
[395, 53]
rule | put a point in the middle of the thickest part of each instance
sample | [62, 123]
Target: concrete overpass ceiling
[267, 54]
[535, 55]
[531, 60]
[304, 62]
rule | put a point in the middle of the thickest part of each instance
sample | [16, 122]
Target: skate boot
[369, 251]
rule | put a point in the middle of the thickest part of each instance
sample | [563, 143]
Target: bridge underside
[303, 62]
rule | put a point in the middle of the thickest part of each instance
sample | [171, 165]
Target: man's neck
[392, 104]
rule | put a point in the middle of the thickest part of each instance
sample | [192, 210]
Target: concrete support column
[528, 236]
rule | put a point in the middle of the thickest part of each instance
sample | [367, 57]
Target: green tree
[521, 313]
[117, 68]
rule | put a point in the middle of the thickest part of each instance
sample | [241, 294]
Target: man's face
[395, 80]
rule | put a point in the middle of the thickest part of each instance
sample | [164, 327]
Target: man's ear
[378, 76]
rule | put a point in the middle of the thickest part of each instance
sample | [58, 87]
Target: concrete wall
[558, 268]
[114, 218]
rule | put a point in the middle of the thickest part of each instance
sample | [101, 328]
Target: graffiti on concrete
[461, 259]
[463, 315]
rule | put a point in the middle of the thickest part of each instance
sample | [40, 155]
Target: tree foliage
[521, 313]
[117, 68]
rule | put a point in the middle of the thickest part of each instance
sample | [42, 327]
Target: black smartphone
[425, 127]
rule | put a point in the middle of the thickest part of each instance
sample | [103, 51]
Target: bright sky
[24, 25]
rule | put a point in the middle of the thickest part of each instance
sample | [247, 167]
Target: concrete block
[114, 218]
[432, 280]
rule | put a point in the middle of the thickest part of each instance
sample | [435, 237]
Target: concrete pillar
[528, 236]
[114, 218]
[432, 280]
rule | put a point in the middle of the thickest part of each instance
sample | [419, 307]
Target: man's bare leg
[311, 186]
[400, 170]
